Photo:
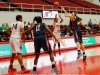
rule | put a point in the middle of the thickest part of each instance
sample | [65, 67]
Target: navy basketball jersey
[73, 25]
[38, 29]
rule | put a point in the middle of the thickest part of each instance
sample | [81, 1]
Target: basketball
[56, 4]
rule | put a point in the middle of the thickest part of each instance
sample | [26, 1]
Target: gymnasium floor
[66, 63]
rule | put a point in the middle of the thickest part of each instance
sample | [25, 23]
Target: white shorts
[57, 35]
[15, 45]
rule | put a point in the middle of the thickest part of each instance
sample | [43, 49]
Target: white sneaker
[34, 73]
[55, 70]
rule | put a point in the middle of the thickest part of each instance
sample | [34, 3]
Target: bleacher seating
[86, 4]
[3, 5]
[82, 6]
[26, 4]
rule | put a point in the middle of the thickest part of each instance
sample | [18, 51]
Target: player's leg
[35, 63]
[11, 68]
[58, 37]
[17, 46]
[47, 48]
[76, 38]
[59, 48]
[54, 47]
[82, 46]
[37, 46]
[54, 69]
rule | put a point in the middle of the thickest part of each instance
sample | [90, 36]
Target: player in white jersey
[17, 30]
[56, 31]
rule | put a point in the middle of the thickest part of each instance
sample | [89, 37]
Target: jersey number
[38, 28]
[15, 26]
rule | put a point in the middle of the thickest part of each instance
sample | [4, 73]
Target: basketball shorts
[15, 45]
[77, 36]
[41, 42]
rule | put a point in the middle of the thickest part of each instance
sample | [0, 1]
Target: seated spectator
[87, 33]
[91, 24]
[83, 27]
[6, 26]
[91, 32]
[3, 27]
[87, 27]
[95, 23]
[69, 33]
[98, 28]
[65, 30]
[29, 25]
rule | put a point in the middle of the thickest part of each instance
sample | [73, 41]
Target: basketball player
[40, 41]
[74, 19]
[56, 31]
[17, 29]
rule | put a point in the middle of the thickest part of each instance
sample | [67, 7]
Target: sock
[83, 53]
[58, 45]
[11, 65]
[79, 51]
[22, 66]
[34, 68]
[53, 65]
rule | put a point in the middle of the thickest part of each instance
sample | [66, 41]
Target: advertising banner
[5, 49]
[97, 38]
[89, 41]
[28, 47]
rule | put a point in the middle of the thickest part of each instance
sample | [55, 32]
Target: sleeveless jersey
[56, 27]
[38, 29]
[73, 25]
[15, 29]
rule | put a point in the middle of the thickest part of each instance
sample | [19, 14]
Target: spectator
[65, 30]
[87, 33]
[3, 27]
[95, 23]
[87, 27]
[25, 23]
[98, 27]
[69, 33]
[29, 25]
[7, 26]
[90, 24]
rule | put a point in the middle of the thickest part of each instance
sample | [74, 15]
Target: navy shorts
[41, 42]
[77, 36]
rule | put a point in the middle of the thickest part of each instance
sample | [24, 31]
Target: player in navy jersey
[40, 41]
[74, 19]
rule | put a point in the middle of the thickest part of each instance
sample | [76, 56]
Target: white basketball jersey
[15, 29]
[56, 27]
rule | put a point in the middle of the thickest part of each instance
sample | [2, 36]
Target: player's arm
[61, 20]
[22, 32]
[67, 14]
[8, 31]
[30, 29]
[55, 20]
[46, 27]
